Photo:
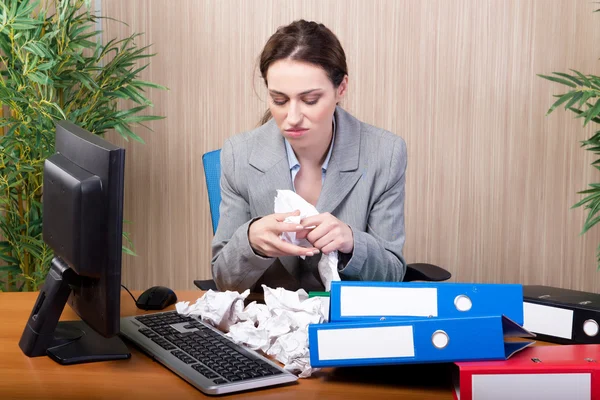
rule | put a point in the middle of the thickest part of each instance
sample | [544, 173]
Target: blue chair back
[212, 173]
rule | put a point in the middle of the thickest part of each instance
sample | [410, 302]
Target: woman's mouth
[296, 132]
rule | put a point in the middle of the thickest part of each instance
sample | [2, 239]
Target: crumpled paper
[220, 309]
[288, 201]
[278, 328]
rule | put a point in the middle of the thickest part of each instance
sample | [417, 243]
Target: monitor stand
[66, 342]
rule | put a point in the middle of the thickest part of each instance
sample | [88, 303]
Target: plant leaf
[592, 113]
[570, 78]
[558, 80]
[129, 251]
[561, 100]
[574, 99]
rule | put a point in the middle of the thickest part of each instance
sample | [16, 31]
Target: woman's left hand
[327, 233]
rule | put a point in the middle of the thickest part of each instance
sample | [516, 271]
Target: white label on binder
[367, 301]
[360, 343]
[532, 386]
[546, 320]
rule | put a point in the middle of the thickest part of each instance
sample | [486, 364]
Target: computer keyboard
[201, 354]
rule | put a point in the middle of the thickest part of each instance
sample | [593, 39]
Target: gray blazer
[363, 187]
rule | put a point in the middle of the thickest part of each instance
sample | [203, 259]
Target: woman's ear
[342, 89]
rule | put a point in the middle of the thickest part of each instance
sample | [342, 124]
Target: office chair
[212, 173]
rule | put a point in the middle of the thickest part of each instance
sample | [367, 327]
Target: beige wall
[490, 179]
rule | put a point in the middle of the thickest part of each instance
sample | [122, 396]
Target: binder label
[547, 320]
[362, 343]
[572, 386]
[365, 301]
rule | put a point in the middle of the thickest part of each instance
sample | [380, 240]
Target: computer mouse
[156, 298]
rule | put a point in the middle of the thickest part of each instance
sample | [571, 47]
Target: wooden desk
[141, 378]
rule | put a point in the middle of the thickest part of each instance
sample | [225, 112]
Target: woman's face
[302, 101]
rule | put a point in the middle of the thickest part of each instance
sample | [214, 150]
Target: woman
[353, 173]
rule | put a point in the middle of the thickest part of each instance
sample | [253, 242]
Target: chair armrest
[426, 272]
[206, 285]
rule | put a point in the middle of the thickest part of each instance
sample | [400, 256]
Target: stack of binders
[377, 323]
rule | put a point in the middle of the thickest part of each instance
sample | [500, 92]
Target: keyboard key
[163, 343]
[202, 334]
[171, 338]
[275, 370]
[264, 372]
[220, 370]
[261, 363]
[220, 381]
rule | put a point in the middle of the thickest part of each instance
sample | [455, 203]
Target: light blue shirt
[295, 164]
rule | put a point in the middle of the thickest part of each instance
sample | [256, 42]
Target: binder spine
[377, 301]
[397, 342]
[560, 324]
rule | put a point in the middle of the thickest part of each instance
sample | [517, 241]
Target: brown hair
[308, 42]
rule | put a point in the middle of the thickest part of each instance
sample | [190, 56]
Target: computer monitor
[83, 223]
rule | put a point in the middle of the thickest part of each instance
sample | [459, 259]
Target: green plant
[583, 98]
[53, 66]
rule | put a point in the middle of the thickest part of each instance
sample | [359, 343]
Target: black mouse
[156, 298]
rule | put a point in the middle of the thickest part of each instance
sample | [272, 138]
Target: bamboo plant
[583, 99]
[53, 66]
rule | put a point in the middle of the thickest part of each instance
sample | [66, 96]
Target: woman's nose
[294, 115]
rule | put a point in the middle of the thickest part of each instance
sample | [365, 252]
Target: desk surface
[140, 377]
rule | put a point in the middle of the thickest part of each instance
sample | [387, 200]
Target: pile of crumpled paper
[278, 328]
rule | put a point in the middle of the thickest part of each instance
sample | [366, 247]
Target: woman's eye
[279, 102]
[311, 101]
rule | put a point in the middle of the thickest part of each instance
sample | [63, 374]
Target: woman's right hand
[264, 236]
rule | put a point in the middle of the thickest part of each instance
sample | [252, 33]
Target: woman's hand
[264, 236]
[327, 233]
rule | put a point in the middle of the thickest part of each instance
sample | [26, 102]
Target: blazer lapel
[343, 172]
[271, 173]
[271, 169]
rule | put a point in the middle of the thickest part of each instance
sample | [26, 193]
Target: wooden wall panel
[491, 179]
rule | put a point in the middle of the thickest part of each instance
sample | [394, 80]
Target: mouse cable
[124, 287]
